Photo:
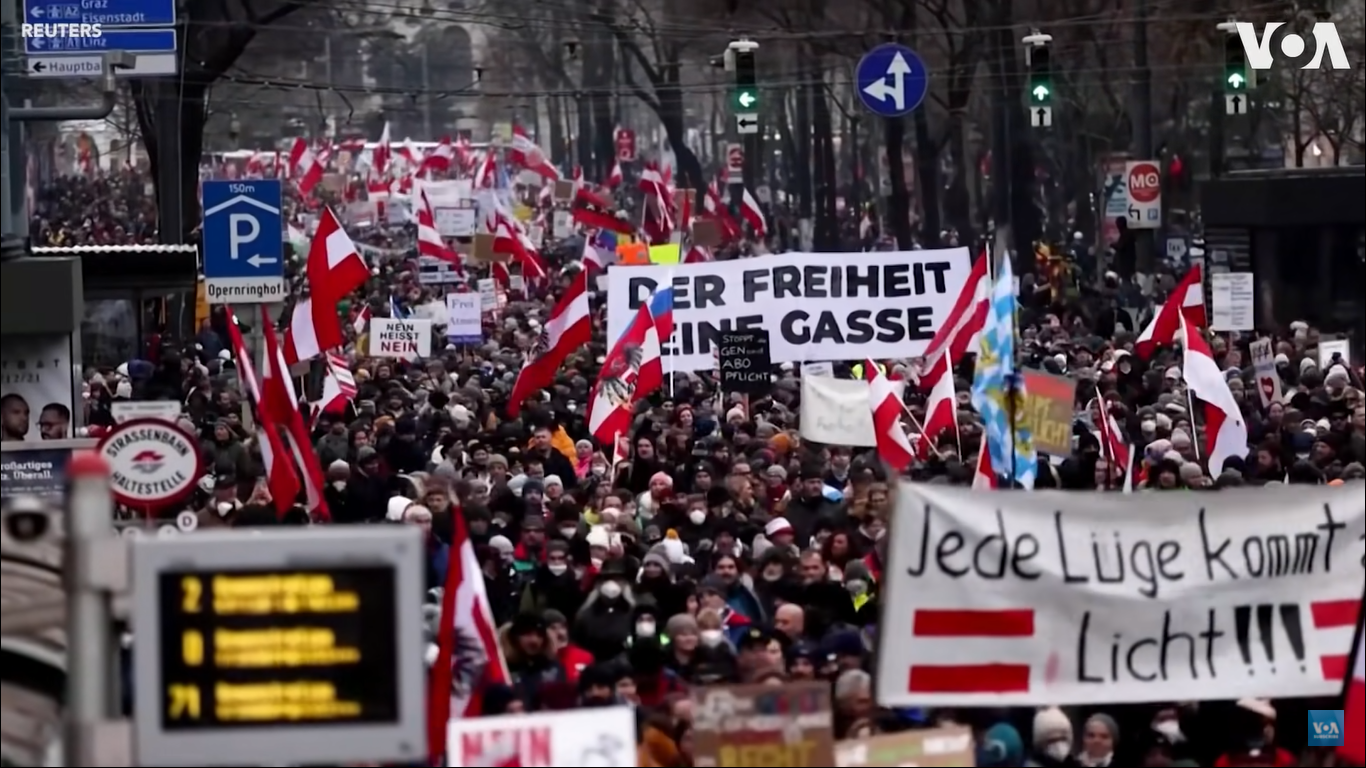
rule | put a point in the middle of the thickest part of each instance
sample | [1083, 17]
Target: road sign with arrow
[1041, 117]
[892, 80]
[1235, 104]
[64, 66]
[747, 123]
[243, 253]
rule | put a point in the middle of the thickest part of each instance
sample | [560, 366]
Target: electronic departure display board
[303, 646]
[298, 645]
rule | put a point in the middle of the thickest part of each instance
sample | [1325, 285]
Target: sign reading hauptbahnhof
[299, 646]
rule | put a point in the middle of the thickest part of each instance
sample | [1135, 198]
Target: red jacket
[574, 659]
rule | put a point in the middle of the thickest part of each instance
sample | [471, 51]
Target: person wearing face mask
[1052, 743]
[553, 585]
[603, 624]
[654, 681]
[656, 579]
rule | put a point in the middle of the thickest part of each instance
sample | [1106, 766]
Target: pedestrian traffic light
[746, 96]
[1040, 77]
[1235, 65]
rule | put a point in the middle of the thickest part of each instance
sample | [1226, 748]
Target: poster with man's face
[36, 391]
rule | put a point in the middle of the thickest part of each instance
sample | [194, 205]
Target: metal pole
[91, 667]
[1144, 241]
[426, 98]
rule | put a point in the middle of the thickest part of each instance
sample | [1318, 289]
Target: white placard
[488, 294]
[826, 369]
[1264, 369]
[1233, 301]
[1330, 347]
[1009, 599]
[402, 339]
[562, 224]
[463, 318]
[516, 283]
[815, 306]
[162, 410]
[454, 222]
[836, 412]
[603, 737]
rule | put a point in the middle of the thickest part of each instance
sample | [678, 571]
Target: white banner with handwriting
[1008, 599]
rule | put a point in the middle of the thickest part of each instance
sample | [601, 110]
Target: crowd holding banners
[725, 543]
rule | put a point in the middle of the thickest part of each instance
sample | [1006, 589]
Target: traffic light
[1040, 77]
[746, 96]
[1235, 66]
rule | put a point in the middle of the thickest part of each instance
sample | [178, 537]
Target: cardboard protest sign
[931, 748]
[1007, 599]
[1048, 410]
[747, 726]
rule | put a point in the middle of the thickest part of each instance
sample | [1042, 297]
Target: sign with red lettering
[402, 339]
[626, 145]
[596, 738]
[1054, 598]
[933, 748]
[747, 726]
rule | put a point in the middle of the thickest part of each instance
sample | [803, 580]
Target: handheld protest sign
[633, 254]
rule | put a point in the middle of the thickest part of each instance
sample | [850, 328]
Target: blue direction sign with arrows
[892, 80]
[133, 40]
[243, 247]
[108, 13]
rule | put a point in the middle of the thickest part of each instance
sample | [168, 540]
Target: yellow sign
[201, 304]
[523, 213]
[665, 254]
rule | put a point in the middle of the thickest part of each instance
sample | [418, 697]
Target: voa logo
[1293, 49]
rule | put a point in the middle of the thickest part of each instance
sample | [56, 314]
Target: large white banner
[815, 306]
[1008, 599]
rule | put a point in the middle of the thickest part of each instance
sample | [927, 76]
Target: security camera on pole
[739, 59]
[1040, 79]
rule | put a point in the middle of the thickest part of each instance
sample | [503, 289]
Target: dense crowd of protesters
[85, 209]
[724, 547]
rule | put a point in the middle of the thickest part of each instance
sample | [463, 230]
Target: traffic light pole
[1145, 242]
[745, 123]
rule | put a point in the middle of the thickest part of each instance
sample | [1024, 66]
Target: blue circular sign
[892, 80]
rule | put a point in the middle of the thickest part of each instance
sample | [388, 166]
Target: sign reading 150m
[251, 648]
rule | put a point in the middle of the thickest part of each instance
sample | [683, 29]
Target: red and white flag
[380, 155]
[468, 656]
[1226, 433]
[304, 167]
[362, 320]
[893, 445]
[1354, 698]
[753, 214]
[614, 177]
[959, 333]
[525, 153]
[281, 478]
[568, 328]
[279, 400]
[339, 386]
[957, 626]
[334, 269]
[1187, 303]
[941, 409]
[1112, 444]
[984, 475]
[442, 158]
[429, 240]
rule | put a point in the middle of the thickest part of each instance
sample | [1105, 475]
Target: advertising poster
[36, 391]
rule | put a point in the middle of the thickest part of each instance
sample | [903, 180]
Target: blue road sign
[243, 249]
[135, 40]
[109, 13]
[892, 80]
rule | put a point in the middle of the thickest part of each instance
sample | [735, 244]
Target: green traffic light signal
[1236, 81]
[745, 99]
[1041, 93]
[1235, 65]
[1040, 76]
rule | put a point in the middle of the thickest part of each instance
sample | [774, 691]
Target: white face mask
[1058, 750]
[557, 569]
[339, 484]
[598, 470]
[568, 532]
[596, 562]
[711, 637]
[697, 517]
[610, 590]
[645, 629]
[1171, 729]
[856, 586]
